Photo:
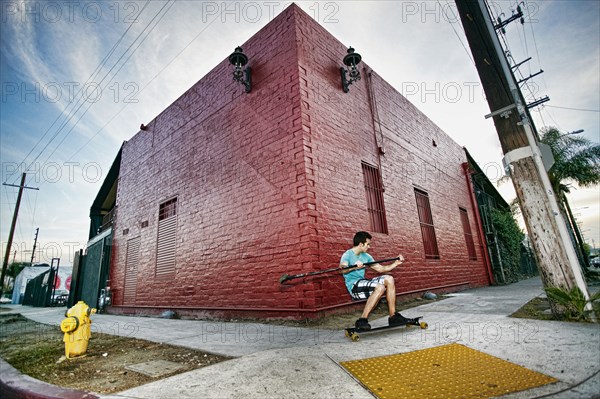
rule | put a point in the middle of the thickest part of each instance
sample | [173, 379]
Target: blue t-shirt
[352, 277]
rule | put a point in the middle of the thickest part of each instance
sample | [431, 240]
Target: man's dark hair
[361, 237]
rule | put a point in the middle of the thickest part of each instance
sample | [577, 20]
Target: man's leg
[373, 300]
[395, 318]
[390, 288]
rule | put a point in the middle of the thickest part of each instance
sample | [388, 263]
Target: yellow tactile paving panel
[448, 371]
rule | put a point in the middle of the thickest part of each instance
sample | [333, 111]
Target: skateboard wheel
[423, 325]
[347, 333]
[354, 337]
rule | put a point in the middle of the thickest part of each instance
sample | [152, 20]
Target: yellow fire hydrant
[76, 327]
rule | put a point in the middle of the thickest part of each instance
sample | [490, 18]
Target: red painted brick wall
[347, 128]
[270, 182]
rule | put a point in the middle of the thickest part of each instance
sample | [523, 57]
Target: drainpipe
[480, 234]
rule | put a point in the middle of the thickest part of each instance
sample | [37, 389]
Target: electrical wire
[143, 88]
[517, 72]
[538, 58]
[456, 33]
[574, 109]
[507, 50]
[18, 226]
[79, 95]
[113, 76]
[500, 74]
[543, 108]
[524, 39]
[34, 210]
[74, 103]
[170, 3]
[569, 387]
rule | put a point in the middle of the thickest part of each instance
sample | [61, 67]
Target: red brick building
[225, 191]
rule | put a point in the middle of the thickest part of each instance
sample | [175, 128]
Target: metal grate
[165, 247]
[427, 229]
[132, 260]
[374, 191]
[167, 209]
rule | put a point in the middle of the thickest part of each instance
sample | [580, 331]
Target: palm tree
[576, 160]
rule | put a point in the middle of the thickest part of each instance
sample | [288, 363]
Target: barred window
[167, 209]
[427, 229]
[374, 191]
[464, 218]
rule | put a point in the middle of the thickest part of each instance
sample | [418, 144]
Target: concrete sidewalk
[286, 362]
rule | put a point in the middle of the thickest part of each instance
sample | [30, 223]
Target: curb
[15, 385]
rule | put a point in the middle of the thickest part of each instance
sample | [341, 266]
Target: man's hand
[347, 269]
[387, 268]
[399, 261]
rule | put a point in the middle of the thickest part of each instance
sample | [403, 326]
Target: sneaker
[397, 320]
[362, 324]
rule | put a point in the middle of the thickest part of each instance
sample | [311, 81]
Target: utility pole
[12, 229]
[34, 244]
[549, 237]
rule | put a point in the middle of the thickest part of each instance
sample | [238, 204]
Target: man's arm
[345, 269]
[384, 269]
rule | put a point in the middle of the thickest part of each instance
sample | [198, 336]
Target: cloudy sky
[78, 78]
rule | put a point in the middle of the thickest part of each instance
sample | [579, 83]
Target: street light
[351, 60]
[238, 59]
[572, 133]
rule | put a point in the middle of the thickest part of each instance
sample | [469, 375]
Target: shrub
[509, 237]
[572, 301]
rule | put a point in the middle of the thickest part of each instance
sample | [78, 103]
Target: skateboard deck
[354, 333]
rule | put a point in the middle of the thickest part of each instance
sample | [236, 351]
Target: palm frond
[576, 159]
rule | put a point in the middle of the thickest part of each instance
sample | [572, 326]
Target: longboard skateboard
[354, 333]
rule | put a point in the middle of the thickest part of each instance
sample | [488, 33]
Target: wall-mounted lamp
[238, 59]
[351, 60]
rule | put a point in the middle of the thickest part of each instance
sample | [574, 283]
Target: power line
[524, 40]
[516, 71]
[65, 123]
[116, 73]
[574, 109]
[455, 32]
[178, 54]
[77, 96]
[72, 101]
[143, 88]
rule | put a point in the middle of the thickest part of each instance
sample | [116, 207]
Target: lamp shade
[352, 59]
[238, 58]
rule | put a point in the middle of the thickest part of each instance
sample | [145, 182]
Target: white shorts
[363, 288]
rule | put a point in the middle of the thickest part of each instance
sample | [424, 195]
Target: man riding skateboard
[370, 289]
